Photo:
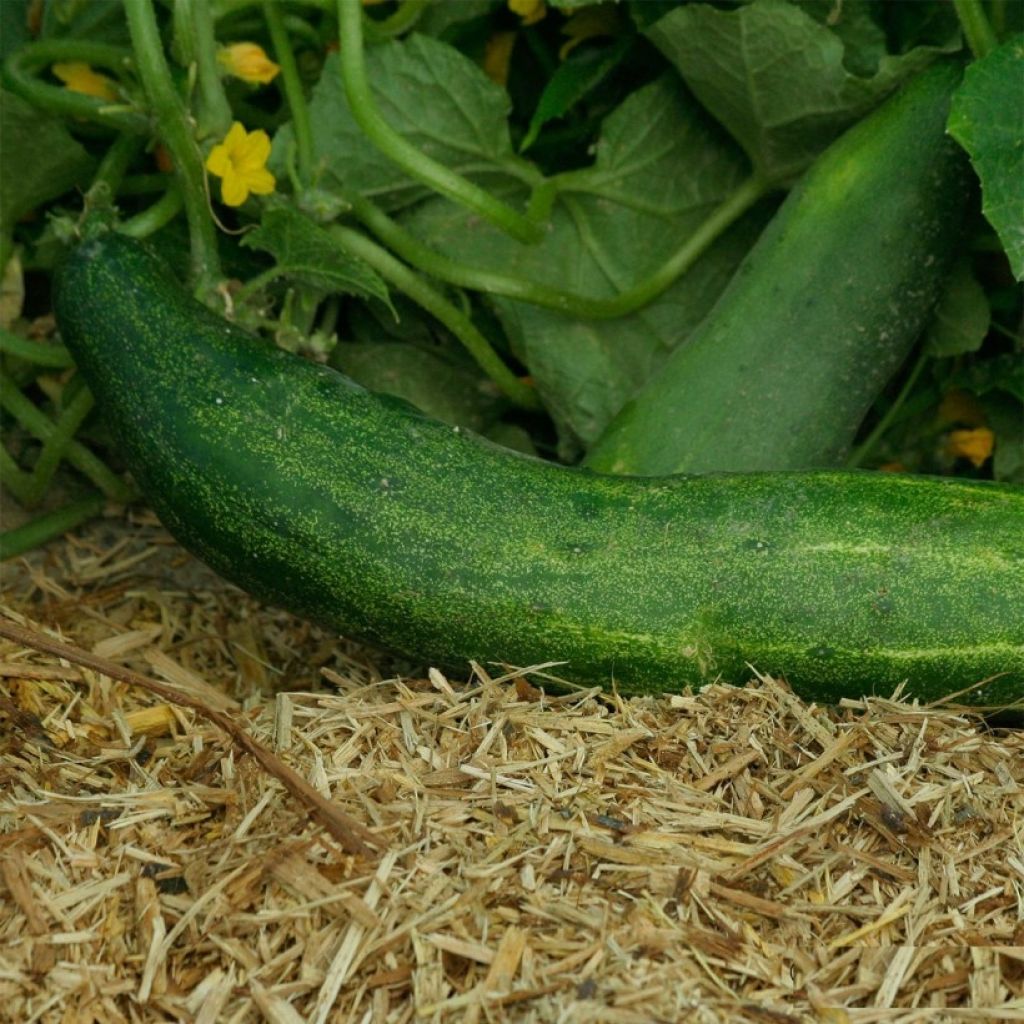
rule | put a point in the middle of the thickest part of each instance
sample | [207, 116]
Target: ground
[467, 849]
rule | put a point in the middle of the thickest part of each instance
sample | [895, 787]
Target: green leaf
[661, 168]
[1005, 416]
[306, 253]
[776, 78]
[439, 20]
[454, 394]
[576, 76]
[962, 315]
[39, 160]
[854, 22]
[1000, 373]
[428, 92]
[987, 119]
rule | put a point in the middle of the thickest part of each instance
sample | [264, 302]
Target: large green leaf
[779, 80]
[962, 315]
[660, 169]
[454, 394]
[428, 92]
[39, 160]
[306, 253]
[580, 73]
[987, 119]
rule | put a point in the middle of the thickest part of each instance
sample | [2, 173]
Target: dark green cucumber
[355, 511]
[821, 313]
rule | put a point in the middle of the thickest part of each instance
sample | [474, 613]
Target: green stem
[54, 356]
[293, 91]
[143, 184]
[56, 445]
[21, 70]
[13, 477]
[582, 307]
[253, 285]
[154, 217]
[455, 320]
[977, 30]
[416, 164]
[232, 8]
[41, 427]
[403, 19]
[115, 163]
[214, 113]
[176, 134]
[867, 446]
[39, 531]
[997, 17]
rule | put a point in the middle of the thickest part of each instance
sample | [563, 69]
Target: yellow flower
[530, 11]
[498, 56]
[961, 407]
[976, 445]
[79, 77]
[241, 161]
[249, 62]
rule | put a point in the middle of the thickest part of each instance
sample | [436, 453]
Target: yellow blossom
[79, 77]
[976, 445]
[241, 162]
[249, 62]
[498, 56]
[961, 407]
[530, 11]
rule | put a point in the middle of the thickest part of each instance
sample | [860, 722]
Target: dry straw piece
[246, 819]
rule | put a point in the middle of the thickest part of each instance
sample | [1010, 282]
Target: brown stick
[353, 836]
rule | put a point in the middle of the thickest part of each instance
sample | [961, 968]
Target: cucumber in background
[821, 313]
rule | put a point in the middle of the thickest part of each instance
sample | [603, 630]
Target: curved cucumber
[822, 311]
[356, 511]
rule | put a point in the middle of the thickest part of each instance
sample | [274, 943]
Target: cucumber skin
[853, 261]
[354, 510]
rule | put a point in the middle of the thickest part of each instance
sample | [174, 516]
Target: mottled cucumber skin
[357, 512]
[821, 313]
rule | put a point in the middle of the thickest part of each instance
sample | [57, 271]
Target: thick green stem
[582, 307]
[977, 30]
[39, 531]
[416, 164]
[867, 446]
[176, 134]
[20, 75]
[154, 217]
[293, 91]
[455, 320]
[214, 112]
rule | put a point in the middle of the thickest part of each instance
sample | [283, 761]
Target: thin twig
[353, 836]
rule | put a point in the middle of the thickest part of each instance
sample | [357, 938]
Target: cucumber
[356, 511]
[821, 313]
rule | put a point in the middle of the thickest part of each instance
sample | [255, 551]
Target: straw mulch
[480, 851]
